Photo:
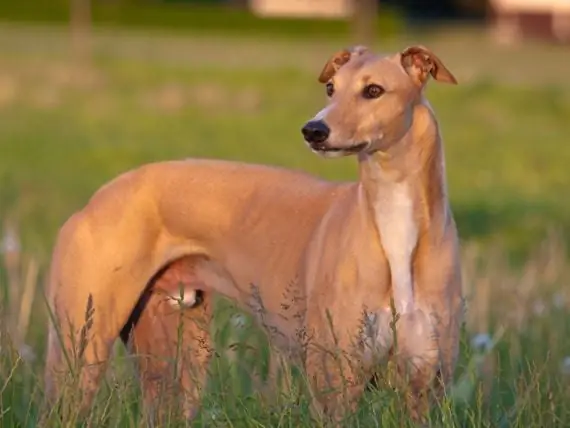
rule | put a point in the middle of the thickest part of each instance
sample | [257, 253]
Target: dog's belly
[182, 285]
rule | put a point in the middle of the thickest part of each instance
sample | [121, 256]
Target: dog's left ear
[336, 61]
[419, 62]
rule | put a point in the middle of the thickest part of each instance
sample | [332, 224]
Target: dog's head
[370, 99]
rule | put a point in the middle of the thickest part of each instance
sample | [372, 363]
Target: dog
[370, 268]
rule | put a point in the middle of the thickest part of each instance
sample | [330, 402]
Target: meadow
[67, 128]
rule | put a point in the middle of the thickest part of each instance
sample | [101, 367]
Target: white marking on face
[321, 115]
[394, 212]
[186, 298]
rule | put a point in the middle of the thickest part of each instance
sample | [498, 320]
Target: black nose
[316, 131]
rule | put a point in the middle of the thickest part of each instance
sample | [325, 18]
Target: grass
[66, 129]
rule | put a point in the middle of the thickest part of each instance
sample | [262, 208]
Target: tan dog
[300, 253]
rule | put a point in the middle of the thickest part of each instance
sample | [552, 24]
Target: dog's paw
[416, 339]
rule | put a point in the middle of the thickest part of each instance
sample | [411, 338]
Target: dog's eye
[373, 91]
[330, 89]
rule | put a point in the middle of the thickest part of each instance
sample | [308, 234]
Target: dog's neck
[404, 190]
[415, 162]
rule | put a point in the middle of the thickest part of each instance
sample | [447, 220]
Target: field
[66, 129]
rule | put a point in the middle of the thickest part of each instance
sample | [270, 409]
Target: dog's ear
[338, 60]
[419, 62]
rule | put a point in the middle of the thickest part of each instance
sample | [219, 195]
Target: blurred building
[414, 10]
[302, 8]
[514, 20]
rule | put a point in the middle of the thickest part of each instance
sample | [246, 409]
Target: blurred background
[91, 88]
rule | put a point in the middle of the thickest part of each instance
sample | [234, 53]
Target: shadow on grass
[518, 226]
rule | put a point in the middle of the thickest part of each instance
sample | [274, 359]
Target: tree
[364, 18]
[80, 27]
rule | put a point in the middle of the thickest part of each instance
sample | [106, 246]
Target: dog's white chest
[394, 212]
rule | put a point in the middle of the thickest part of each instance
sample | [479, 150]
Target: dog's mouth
[356, 148]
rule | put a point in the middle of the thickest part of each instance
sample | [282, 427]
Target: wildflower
[482, 342]
[27, 353]
[238, 321]
[565, 366]
[559, 300]
[539, 307]
[10, 242]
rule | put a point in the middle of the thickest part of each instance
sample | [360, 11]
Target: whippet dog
[369, 268]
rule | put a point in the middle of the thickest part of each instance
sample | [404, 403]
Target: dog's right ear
[338, 60]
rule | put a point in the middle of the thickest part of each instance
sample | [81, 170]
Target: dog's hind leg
[95, 281]
[169, 334]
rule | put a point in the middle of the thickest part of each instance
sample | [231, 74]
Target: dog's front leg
[426, 350]
[335, 384]
[417, 358]
[333, 371]
[428, 337]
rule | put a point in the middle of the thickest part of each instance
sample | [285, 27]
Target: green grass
[65, 131]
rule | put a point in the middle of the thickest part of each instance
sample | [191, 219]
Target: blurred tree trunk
[364, 18]
[80, 26]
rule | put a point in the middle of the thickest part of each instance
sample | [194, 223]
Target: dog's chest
[396, 223]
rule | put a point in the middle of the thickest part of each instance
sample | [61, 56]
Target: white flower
[539, 307]
[559, 300]
[238, 321]
[27, 353]
[565, 366]
[214, 413]
[482, 342]
[10, 242]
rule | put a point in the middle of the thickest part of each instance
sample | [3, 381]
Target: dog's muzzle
[316, 133]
